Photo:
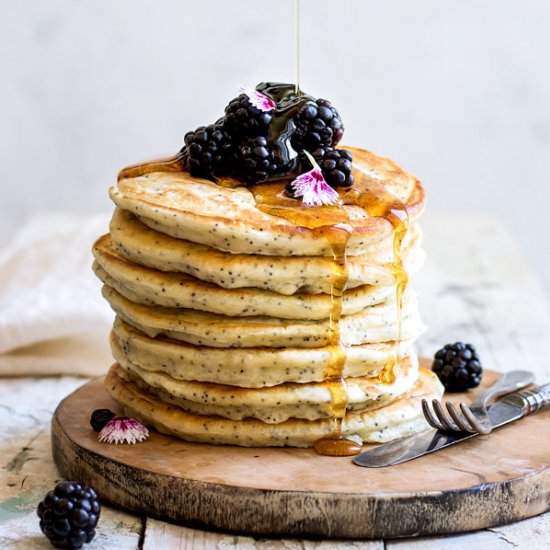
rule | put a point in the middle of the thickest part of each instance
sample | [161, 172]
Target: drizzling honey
[333, 223]
[297, 48]
[375, 198]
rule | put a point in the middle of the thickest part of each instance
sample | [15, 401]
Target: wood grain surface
[483, 482]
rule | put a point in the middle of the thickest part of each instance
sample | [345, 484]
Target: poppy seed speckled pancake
[274, 404]
[287, 275]
[245, 367]
[153, 287]
[398, 419]
[372, 325]
[197, 210]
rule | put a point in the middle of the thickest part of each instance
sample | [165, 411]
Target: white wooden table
[475, 287]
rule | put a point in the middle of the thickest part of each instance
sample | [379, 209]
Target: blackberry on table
[255, 161]
[242, 120]
[317, 125]
[99, 419]
[69, 514]
[207, 150]
[458, 367]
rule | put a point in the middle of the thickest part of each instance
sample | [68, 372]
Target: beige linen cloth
[52, 317]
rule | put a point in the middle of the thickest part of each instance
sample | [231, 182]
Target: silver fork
[474, 418]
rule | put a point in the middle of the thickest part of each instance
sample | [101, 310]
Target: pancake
[273, 404]
[398, 419]
[372, 325]
[286, 275]
[152, 287]
[203, 212]
[244, 367]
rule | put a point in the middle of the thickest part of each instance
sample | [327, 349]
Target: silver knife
[511, 407]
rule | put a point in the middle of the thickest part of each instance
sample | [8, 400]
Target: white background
[456, 91]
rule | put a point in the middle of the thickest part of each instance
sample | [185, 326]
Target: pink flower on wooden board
[123, 429]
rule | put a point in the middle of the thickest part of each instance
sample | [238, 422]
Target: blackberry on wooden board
[99, 419]
[458, 367]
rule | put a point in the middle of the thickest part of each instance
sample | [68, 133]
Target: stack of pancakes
[223, 331]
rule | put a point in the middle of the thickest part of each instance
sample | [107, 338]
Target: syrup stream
[297, 31]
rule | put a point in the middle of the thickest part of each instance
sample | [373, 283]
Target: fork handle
[530, 400]
[507, 383]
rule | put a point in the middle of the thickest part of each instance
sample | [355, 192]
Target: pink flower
[123, 429]
[312, 186]
[259, 100]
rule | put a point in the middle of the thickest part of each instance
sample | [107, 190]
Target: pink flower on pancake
[259, 100]
[123, 429]
[312, 187]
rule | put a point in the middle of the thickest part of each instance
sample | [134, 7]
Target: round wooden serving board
[486, 481]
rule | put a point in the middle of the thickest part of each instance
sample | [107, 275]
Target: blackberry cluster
[317, 125]
[69, 514]
[238, 145]
[100, 418]
[255, 161]
[458, 367]
[242, 120]
[207, 150]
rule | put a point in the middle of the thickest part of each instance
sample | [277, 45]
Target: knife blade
[510, 408]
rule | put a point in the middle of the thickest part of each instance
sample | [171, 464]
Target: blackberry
[68, 514]
[317, 125]
[255, 161]
[207, 150]
[458, 367]
[336, 167]
[242, 120]
[99, 419]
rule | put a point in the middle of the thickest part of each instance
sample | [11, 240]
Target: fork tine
[442, 417]
[479, 428]
[430, 417]
[460, 420]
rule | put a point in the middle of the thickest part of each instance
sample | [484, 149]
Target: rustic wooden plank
[27, 471]
[483, 540]
[532, 534]
[165, 536]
